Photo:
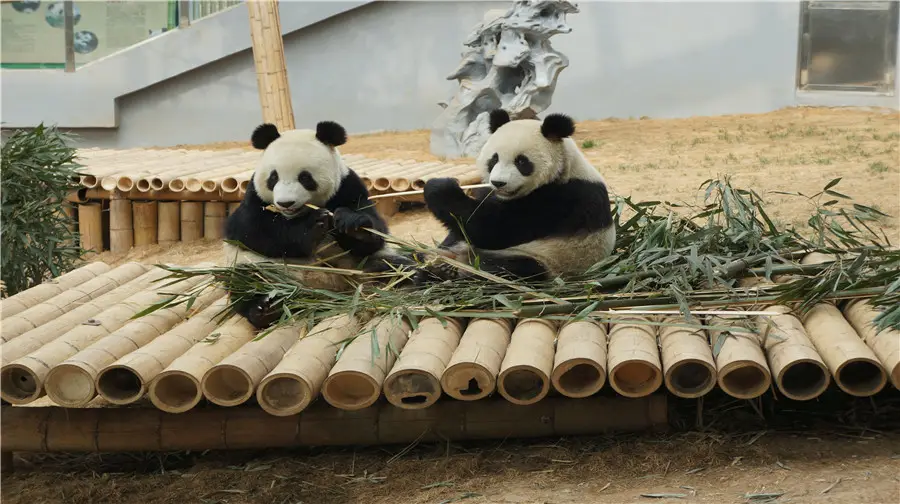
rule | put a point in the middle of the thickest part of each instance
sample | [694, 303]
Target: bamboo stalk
[233, 381]
[579, 366]
[191, 221]
[525, 371]
[64, 302]
[121, 227]
[410, 193]
[472, 372]
[415, 380]
[633, 358]
[42, 292]
[72, 382]
[126, 380]
[855, 367]
[741, 365]
[169, 219]
[885, 344]
[268, 58]
[145, 215]
[800, 374]
[90, 227]
[356, 379]
[689, 369]
[214, 220]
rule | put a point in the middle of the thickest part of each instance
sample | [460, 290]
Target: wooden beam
[271, 70]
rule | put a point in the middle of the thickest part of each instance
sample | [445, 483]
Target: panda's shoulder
[573, 190]
[350, 191]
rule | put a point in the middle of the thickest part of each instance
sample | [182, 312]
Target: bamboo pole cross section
[798, 370]
[743, 372]
[472, 372]
[525, 371]
[579, 365]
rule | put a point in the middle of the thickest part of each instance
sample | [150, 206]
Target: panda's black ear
[557, 126]
[499, 117]
[331, 133]
[263, 135]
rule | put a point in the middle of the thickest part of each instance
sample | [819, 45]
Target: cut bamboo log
[741, 364]
[214, 220]
[800, 374]
[126, 380]
[73, 382]
[297, 379]
[415, 380]
[885, 344]
[44, 291]
[854, 365]
[525, 371]
[90, 227]
[579, 366]
[64, 302]
[22, 381]
[233, 381]
[472, 372]
[271, 70]
[169, 222]
[633, 357]
[233, 206]
[121, 227]
[191, 221]
[177, 388]
[145, 215]
[689, 369]
[356, 379]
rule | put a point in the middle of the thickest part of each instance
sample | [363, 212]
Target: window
[848, 46]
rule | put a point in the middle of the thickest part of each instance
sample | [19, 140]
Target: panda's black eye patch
[272, 180]
[525, 166]
[493, 161]
[307, 181]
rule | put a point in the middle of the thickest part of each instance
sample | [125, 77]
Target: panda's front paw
[346, 220]
[323, 222]
[441, 189]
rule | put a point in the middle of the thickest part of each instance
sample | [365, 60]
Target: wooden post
[184, 15]
[268, 58]
[69, 26]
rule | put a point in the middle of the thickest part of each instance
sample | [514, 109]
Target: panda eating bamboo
[546, 214]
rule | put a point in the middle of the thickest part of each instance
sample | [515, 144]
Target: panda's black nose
[498, 184]
[285, 204]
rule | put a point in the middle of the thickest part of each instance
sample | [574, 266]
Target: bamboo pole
[472, 372]
[90, 227]
[169, 222]
[268, 58]
[233, 381]
[214, 220]
[885, 344]
[141, 429]
[191, 221]
[357, 377]
[633, 357]
[415, 380]
[145, 222]
[73, 382]
[855, 367]
[579, 366]
[64, 302]
[121, 227]
[689, 369]
[525, 371]
[177, 388]
[126, 380]
[741, 365]
[799, 373]
[297, 379]
[83, 195]
[44, 291]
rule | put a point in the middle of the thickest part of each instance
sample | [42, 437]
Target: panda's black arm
[271, 235]
[353, 210]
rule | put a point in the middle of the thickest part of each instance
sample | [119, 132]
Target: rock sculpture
[510, 64]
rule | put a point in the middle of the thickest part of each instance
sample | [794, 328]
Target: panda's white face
[296, 169]
[518, 158]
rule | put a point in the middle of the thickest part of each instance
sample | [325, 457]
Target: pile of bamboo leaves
[668, 257]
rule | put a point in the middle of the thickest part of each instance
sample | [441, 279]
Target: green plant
[588, 144]
[879, 167]
[39, 170]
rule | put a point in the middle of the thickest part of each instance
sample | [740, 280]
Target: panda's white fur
[547, 203]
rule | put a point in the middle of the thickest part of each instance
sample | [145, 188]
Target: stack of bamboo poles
[139, 197]
[82, 342]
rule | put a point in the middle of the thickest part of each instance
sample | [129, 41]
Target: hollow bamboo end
[209, 185]
[284, 394]
[803, 380]
[157, 184]
[523, 384]
[176, 185]
[193, 185]
[18, 384]
[381, 184]
[109, 183]
[120, 385]
[468, 381]
[418, 184]
[691, 378]
[744, 379]
[227, 385]
[244, 185]
[230, 184]
[175, 391]
[861, 377]
[635, 378]
[69, 385]
[125, 184]
[577, 378]
[89, 181]
[412, 389]
[143, 185]
[351, 390]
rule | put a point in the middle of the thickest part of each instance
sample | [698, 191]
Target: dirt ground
[788, 150]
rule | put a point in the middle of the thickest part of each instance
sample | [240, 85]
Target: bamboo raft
[136, 197]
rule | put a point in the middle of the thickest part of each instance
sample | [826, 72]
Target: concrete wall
[382, 66]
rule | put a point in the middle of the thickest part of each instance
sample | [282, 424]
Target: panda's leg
[518, 266]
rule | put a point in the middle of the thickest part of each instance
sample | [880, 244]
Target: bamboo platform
[135, 197]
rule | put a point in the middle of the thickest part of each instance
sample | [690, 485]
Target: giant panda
[274, 222]
[546, 214]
